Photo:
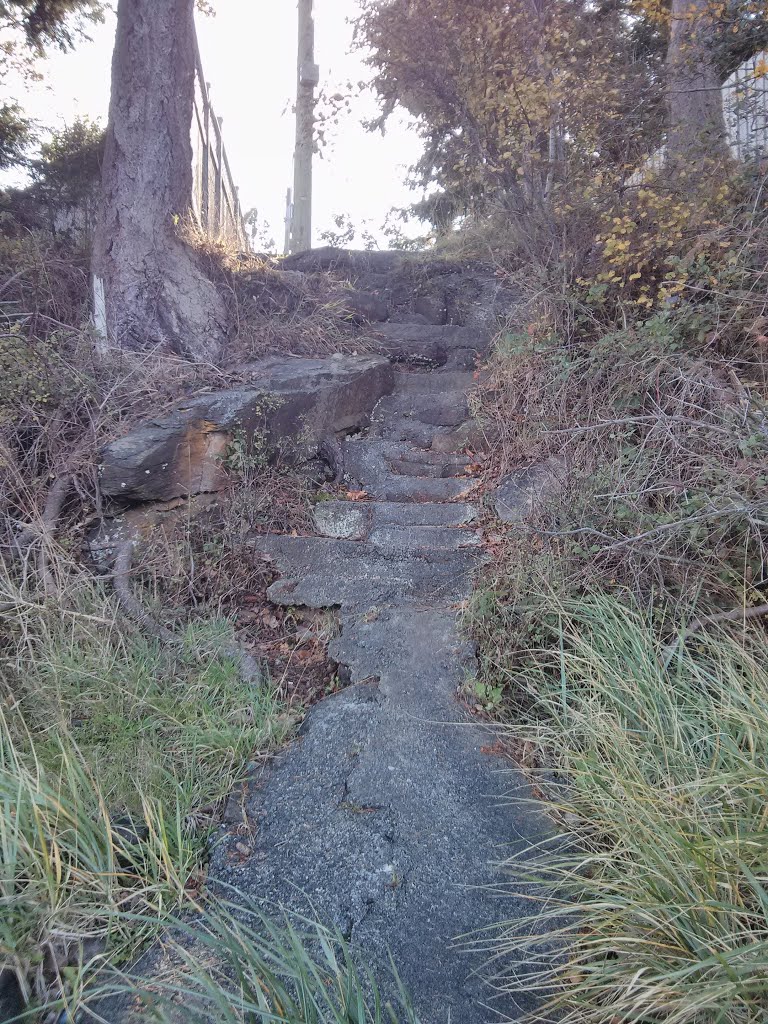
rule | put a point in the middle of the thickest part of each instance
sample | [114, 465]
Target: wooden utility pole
[308, 76]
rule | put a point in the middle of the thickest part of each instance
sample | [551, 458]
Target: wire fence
[745, 108]
[215, 200]
[745, 112]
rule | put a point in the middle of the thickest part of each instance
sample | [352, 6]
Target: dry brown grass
[277, 311]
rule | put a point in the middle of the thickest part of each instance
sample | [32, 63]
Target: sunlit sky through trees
[248, 51]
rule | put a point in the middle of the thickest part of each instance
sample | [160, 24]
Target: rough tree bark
[155, 293]
[696, 125]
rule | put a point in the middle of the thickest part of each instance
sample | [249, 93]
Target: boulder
[290, 406]
[524, 491]
[431, 345]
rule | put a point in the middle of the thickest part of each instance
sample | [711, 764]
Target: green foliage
[44, 23]
[248, 452]
[653, 750]
[15, 135]
[497, 89]
[171, 725]
[68, 170]
[488, 697]
[111, 765]
[647, 377]
[67, 868]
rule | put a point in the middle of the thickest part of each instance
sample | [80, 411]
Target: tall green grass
[114, 751]
[68, 868]
[234, 964]
[652, 905]
[173, 723]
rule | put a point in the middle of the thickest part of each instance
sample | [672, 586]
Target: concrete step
[411, 488]
[441, 410]
[438, 465]
[433, 382]
[422, 538]
[458, 348]
[406, 428]
[354, 520]
[398, 471]
[318, 572]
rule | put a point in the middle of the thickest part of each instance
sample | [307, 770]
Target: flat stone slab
[439, 410]
[432, 383]
[395, 471]
[425, 408]
[353, 520]
[320, 572]
[424, 514]
[350, 261]
[422, 538]
[406, 428]
[292, 404]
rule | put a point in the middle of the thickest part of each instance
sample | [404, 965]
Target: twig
[655, 418]
[710, 620]
[731, 616]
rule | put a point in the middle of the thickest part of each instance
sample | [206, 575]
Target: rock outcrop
[291, 406]
[526, 490]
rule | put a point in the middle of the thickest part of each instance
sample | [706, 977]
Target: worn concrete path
[387, 814]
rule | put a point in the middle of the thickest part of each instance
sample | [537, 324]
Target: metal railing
[215, 200]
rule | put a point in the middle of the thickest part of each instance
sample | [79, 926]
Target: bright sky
[248, 51]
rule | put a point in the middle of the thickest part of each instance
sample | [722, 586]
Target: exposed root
[248, 666]
[130, 604]
[46, 528]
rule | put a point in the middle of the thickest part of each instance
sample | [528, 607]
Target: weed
[487, 696]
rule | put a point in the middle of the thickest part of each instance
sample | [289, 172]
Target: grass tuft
[652, 904]
[234, 964]
[115, 752]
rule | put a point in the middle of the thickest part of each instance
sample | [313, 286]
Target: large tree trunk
[696, 126]
[155, 293]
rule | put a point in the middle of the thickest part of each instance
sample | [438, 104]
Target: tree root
[130, 604]
[54, 505]
[248, 667]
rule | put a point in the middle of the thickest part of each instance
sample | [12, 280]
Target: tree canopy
[502, 91]
[44, 23]
[28, 29]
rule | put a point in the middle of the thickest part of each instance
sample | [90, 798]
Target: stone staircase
[386, 815]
